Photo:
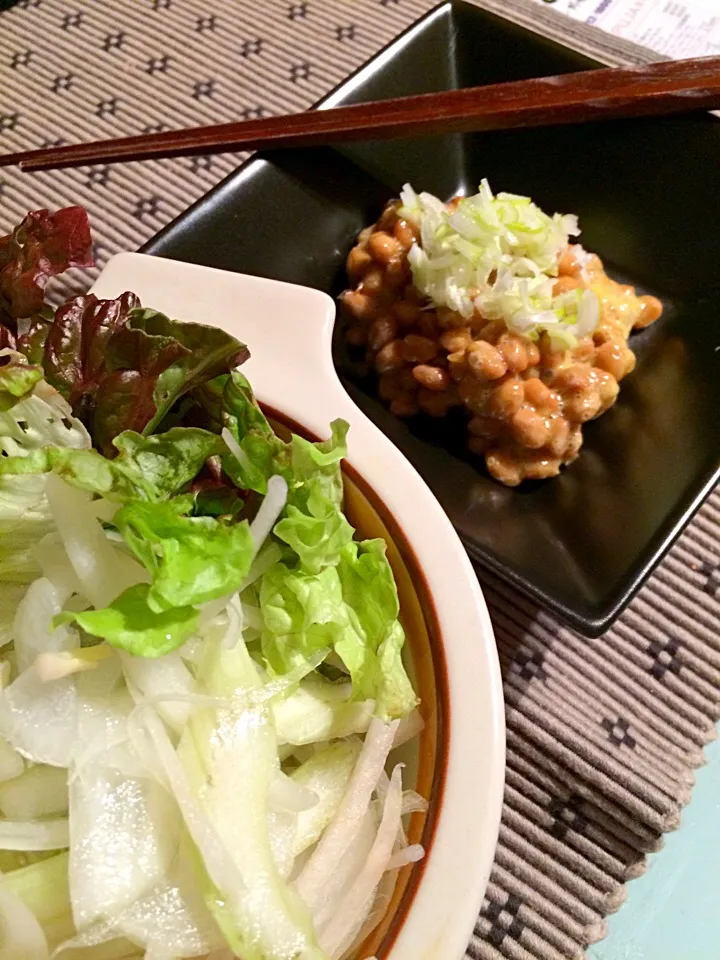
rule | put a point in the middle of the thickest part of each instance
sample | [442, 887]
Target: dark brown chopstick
[660, 88]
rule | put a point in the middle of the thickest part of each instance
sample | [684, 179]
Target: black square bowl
[648, 196]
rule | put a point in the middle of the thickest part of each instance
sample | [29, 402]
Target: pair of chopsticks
[611, 93]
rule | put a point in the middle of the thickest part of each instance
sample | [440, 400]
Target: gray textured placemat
[602, 734]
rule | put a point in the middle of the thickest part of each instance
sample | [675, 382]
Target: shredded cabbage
[498, 255]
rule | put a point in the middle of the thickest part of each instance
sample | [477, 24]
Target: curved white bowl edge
[288, 329]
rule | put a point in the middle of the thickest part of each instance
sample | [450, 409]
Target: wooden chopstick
[659, 88]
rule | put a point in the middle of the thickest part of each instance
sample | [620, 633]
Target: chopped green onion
[498, 256]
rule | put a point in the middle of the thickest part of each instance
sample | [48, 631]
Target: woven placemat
[602, 734]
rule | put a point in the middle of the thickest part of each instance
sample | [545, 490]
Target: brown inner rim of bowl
[432, 624]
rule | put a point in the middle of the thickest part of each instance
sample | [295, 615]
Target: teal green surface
[673, 911]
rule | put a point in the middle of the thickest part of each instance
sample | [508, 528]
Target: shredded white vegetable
[56, 567]
[349, 867]
[34, 835]
[38, 792]
[345, 824]
[269, 555]
[162, 678]
[347, 918]
[33, 629]
[270, 509]
[235, 449]
[413, 803]
[290, 795]
[125, 835]
[21, 936]
[103, 570]
[408, 728]
[11, 762]
[219, 864]
[410, 854]
[39, 719]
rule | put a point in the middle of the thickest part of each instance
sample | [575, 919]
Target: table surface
[672, 911]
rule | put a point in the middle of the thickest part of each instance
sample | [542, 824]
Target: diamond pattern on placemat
[602, 734]
[665, 657]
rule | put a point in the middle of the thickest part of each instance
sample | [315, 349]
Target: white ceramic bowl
[288, 330]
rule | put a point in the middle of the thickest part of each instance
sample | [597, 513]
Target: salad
[201, 675]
